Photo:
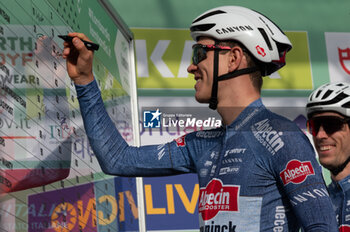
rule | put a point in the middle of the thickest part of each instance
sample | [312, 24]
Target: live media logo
[151, 118]
[171, 119]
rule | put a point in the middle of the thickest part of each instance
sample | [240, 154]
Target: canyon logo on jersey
[217, 197]
[296, 172]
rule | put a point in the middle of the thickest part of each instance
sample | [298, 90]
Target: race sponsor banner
[8, 222]
[127, 214]
[163, 55]
[74, 208]
[338, 54]
[108, 205]
[171, 202]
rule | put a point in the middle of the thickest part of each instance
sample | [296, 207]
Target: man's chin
[203, 100]
[327, 164]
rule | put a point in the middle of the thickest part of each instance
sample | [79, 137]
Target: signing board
[43, 145]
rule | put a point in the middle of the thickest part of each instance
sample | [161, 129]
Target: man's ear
[236, 57]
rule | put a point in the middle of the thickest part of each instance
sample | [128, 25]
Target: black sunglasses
[200, 51]
[330, 124]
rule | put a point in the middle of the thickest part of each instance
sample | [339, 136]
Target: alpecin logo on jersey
[296, 172]
[216, 197]
[344, 228]
[268, 136]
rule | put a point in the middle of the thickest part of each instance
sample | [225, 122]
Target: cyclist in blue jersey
[258, 172]
[328, 111]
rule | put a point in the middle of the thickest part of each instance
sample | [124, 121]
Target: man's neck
[229, 112]
[341, 175]
[234, 95]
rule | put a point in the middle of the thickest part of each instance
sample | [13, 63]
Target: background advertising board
[50, 179]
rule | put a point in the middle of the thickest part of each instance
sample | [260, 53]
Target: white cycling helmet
[333, 97]
[263, 39]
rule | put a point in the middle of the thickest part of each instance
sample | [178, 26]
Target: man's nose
[321, 133]
[192, 68]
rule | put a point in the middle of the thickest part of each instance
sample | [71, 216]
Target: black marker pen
[88, 45]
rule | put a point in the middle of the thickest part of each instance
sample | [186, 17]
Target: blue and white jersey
[257, 174]
[340, 195]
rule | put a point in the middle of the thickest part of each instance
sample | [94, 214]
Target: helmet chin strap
[213, 102]
[340, 168]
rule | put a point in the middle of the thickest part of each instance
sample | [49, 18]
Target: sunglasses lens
[311, 127]
[329, 124]
[199, 54]
[333, 125]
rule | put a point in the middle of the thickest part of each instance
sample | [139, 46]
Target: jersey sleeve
[300, 177]
[114, 155]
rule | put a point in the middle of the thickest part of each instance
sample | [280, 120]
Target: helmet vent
[208, 15]
[341, 96]
[266, 38]
[202, 27]
[318, 93]
[335, 100]
[329, 92]
[312, 96]
[269, 20]
[346, 105]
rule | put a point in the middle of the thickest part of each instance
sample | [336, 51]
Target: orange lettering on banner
[121, 207]
[84, 216]
[117, 207]
[149, 202]
[110, 218]
[132, 204]
[170, 198]
[190, 206]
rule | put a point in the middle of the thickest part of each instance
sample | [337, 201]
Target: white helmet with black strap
[330, 97]
[258, 34]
